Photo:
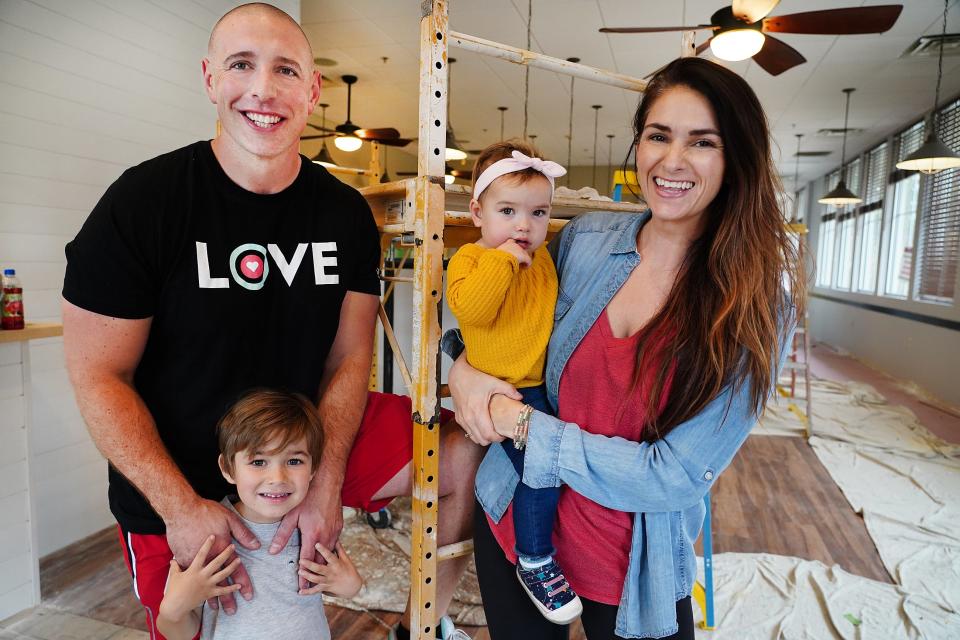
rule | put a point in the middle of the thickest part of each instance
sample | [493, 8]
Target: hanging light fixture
[840, 194]
[502, 111]
[596, 122]
[385, 177]
[453, 151]
[934, 155]
[610, 138]
[570, 125]
[323, 156]
[796, 182]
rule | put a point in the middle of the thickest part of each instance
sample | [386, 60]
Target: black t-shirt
[244, 290]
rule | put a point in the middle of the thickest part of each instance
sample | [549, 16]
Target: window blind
[939, 246]
[870, 218]
[905, 143]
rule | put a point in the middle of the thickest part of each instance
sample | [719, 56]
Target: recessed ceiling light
[324, 62]
[811, 154]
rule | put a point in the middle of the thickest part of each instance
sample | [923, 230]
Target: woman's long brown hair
[721, 324]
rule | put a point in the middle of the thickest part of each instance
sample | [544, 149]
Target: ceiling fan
[742, 30]
[349, 136]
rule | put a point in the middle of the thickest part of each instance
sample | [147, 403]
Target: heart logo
[252, 267]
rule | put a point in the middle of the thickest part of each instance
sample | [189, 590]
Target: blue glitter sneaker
[550, 591]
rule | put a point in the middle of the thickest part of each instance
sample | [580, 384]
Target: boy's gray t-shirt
[277, 610]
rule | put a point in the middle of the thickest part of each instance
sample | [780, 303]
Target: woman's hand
[338, 576]
[504, 412]
[472, 391]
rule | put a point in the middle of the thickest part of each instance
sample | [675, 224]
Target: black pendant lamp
[453, 151]
[934, 155]
[323, 157]
[841, 195]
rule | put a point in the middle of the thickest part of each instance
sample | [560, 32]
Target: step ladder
[798, 362]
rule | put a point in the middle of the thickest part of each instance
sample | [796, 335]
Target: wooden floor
[776, 497]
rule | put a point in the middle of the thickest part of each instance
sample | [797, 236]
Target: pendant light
[570, 125]
[323, 156]
[934, 155]
[385, 177]
[453, 150]
[502, 111]
[796, 182]
[596, 122]
[841, 195]
[526, 70]
[610, 138]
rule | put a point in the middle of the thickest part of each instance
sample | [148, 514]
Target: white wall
[907, 349]
[19, 578]
[90, 87]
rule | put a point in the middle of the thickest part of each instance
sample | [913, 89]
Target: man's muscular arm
[343, 396]
[102, 354]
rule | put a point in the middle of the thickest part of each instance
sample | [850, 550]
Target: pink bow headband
[518, 162]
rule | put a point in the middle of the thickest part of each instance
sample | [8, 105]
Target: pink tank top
[592, 541]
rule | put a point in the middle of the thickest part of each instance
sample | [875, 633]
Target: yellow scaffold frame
[427, 217]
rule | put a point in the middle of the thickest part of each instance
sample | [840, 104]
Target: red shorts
[382, 448]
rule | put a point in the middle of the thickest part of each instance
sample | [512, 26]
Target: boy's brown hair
[504, 149]
[263, 415]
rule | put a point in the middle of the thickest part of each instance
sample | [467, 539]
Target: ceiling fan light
[448, 179]
[840, 196]
[737, 44]
[347, 143]
[932, 157]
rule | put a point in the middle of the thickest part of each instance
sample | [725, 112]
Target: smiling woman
[667, 334]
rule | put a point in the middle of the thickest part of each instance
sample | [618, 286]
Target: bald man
[224, 266]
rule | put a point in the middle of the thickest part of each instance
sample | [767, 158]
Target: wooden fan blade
[387, 133]
[752, 10]
[319, 128]
[317, 137]
[703, 46]
[396, 142]
[654, 29]
[777, 56]
[837, 21]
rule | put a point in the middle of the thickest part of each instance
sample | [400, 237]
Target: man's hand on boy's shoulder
[188, 530]
[338, 576]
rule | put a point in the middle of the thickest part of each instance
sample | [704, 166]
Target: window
[940, 220]
[826, 237]
[870, 220]
[846, 229]
[906, 187]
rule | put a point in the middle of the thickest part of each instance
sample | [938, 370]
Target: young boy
[503, 290]
[270, 444]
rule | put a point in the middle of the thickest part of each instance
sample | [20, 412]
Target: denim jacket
[663, 484]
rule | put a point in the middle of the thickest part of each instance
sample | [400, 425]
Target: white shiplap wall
[90, 87]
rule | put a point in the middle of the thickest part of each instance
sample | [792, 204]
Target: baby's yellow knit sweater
[505, 312]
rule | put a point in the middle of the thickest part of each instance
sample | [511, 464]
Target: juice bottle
[12, 313]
